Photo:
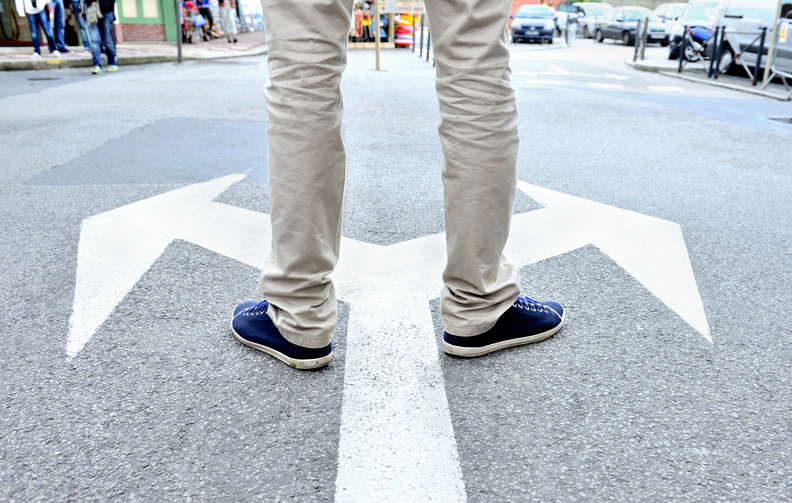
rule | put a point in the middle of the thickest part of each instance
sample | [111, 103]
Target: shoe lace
[530, 304]
[261, 307]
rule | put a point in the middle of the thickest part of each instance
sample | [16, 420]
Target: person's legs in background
[108, 42]
[34, 34]
[58, 15]
[94, 32]
[82, 26]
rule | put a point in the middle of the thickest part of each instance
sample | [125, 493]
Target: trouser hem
[468, 331]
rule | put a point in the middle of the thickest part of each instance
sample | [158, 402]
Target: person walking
[99, 18]
[37, 19]
[480, 301]
[229, 19]
[205, 8]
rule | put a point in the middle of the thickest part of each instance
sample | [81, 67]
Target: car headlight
[549, 24]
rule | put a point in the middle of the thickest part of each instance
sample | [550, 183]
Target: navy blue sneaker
[253, 327]
[525, 321]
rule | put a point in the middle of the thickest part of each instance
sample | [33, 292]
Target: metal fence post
[682, 49]
[179, 33]
[713, 53]
[420, 52]
[759, 55]
[428, 44]
[413, 32]
[644, 38]
[637, 38]
[720, 51]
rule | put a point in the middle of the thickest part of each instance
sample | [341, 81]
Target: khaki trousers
[307, 42]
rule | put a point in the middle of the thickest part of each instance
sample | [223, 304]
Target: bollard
[644, 38]
[179, 28]
[428, 44]
[637, 35]
[759, 55]
[413, 32]
[682, 49]
[420, 52]
[713, 54]
[720, 51]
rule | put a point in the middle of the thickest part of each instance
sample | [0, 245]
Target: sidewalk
[697, 72]
[136, 53]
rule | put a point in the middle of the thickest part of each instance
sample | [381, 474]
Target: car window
[609, 16]
[534, 11]
[660, 11]
[700, 11]
[639, 15]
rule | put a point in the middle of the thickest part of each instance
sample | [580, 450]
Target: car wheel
[664, 43]
[549, 40]
[626, 38]
[598, 36]
[726, 59]
[514, 40]
[690, 54]
[586, 33]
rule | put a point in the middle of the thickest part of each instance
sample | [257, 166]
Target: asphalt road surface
[127, 240]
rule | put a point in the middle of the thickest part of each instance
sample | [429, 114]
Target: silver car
[589, 14]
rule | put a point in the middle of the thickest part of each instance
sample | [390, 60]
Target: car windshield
[700, 11]
[636, 15]
[597, 9]
[534, 12]
[678, 10]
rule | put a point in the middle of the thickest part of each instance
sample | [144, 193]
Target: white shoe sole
[473, 352]
[313, 363]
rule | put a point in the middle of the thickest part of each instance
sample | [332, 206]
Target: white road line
[559, 70]
[597, 85]
[670, 89]
[397, 440]
[617, 77]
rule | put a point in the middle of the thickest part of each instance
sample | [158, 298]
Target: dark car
[533, 23]
[621, 24]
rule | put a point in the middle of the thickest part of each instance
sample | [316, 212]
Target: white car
[670, 12]
[589, 14]
[744, 20]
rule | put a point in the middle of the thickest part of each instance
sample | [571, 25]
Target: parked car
[621, 24]
[744, 20]
[588, 15]
[533, 23]
[563, 15]
[670, 12]
[698, 13]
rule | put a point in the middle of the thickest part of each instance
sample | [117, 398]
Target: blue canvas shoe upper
[525, 321]
[252, 325]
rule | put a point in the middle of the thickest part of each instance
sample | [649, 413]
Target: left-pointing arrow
[117, 247]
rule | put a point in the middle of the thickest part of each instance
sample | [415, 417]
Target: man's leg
[94, 33]
[107, 38]
[480, 139]
[58, 14]
[45, 27]
[307, 42]
[34, 33]
[83, 27]
[478, 132]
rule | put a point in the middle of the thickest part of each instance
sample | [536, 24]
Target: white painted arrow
[396, 442]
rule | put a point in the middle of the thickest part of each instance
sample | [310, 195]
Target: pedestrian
[58, 16]
[480, 301]
[229, 20]
[82, 26]
[99, 18]
[37, 19]
[205, 8]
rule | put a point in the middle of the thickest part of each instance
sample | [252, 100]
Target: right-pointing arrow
[652, 250]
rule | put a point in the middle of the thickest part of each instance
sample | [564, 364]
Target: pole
[720, 51]
[376, 23]
[714, 53]
[772, 45]
[759, 55]
[644, 38]
[413, 32]
[420, 53]
[428, 45]
[682, 49]
[179, 26]
[638, 37]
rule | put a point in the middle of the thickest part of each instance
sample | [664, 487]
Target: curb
[709, 82]
[123, 60]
